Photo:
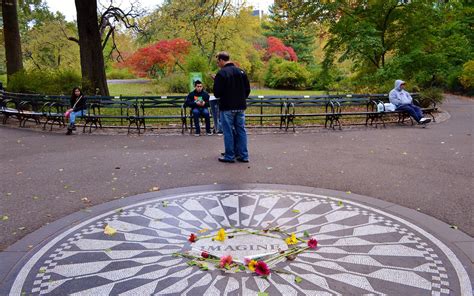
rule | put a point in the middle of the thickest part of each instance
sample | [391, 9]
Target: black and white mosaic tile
[362, 250]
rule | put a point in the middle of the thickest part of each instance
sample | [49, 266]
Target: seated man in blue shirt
[198, 101]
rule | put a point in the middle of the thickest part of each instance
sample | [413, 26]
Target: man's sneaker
[69, 131]
[208, 134]
[197, 135]
[425, 120]
[222, 159]
[242, 159]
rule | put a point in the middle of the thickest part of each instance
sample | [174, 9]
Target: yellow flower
[252, 265]
[220, 235]
[109, 230]
[291, 240]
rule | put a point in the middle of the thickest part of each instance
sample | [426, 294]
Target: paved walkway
[46, 176]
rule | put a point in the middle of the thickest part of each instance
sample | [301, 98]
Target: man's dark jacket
[232, 87]
[192, 98]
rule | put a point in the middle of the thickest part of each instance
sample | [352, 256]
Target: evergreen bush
[287, 75]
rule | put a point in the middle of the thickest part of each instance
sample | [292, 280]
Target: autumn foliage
[158, 58]
[275, 47]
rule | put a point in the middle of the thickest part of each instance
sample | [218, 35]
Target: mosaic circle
[361, 250]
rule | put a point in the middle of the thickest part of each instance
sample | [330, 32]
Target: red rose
[312, 243]
[205, 254]
[262, 268]
[192, 238]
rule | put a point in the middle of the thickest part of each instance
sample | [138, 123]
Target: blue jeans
[235, 135]
[73, 115]
[215, 115]
[197, 113]
[413, 110]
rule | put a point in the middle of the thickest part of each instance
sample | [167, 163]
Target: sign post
[193, 76]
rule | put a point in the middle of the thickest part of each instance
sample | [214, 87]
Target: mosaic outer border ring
[465, 284]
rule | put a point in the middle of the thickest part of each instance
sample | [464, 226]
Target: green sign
[193, 76]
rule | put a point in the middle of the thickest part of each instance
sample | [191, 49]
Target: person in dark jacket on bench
[78, 108]
[198, 101]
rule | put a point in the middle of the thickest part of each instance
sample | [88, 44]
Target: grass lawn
[133, 89]
[149, 89]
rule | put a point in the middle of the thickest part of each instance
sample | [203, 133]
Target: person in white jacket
[404, 102]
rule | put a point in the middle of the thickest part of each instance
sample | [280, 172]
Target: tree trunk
[11, 34]
[92, 59]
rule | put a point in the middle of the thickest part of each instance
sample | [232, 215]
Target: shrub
[286, 75]
[44, 82]
[174, 83]
[120, 74]
[435, 94]
[454, 82]
[467, 75]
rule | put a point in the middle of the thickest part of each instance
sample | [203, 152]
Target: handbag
[68, 113]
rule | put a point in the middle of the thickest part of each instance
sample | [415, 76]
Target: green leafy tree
[211, 26]
[45, 46]
[286, 24]
[425, 41]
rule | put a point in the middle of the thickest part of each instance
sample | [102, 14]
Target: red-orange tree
[275, 47]
[158, 58]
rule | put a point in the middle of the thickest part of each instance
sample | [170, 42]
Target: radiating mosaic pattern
[361, 250]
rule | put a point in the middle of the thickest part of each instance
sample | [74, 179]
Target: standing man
[404, 102]
[198, 101]
[232, 87]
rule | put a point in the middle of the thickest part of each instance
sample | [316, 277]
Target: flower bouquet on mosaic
[261, 264]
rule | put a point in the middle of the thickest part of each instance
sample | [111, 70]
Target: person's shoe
[425, 120]
[222, 159]
[242, 159]
[208, 133]
[197, 135]
[69, 131]
[222, 153]
[73, 127]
